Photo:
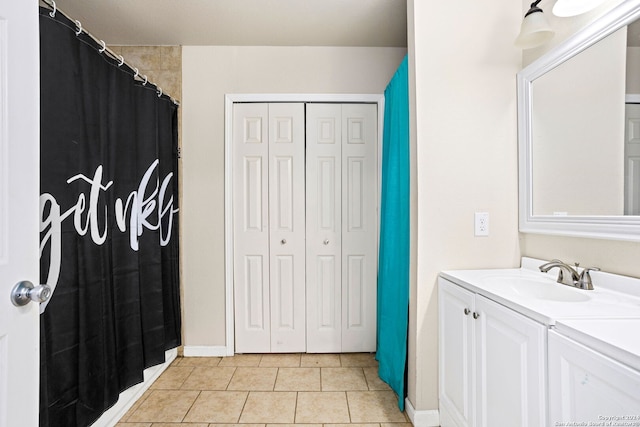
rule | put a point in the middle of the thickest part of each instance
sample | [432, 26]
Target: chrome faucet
[569, 275]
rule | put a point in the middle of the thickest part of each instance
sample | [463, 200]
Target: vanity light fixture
[565, 8]
[535, 29]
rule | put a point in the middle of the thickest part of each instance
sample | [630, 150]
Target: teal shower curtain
[393, 263]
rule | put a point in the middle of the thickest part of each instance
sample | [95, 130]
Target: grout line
[190, 406]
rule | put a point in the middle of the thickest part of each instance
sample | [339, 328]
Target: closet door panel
[287, 227]
[324, 212]
[251, 233]
[359, 226]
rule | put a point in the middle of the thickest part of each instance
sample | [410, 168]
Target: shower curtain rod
[104, 49]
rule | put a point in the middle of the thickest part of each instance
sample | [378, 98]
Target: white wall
[208, 73]
[463, 68]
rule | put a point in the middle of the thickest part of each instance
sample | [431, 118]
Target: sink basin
[541, 289]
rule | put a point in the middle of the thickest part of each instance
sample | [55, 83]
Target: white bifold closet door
[342, 227]
[305, 256]
[269, 227]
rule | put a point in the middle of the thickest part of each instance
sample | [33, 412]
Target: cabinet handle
[466, 311]
[476, 315]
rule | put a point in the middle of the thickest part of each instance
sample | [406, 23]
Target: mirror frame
[604, 227]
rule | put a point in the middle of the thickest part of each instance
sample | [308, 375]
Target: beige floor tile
[217, 407]
[133, 424]
[280, 360]
[374, 406]
[407, 424]
[176, 361]
[164, 406]
[172, 378]
[235, 425]
[216, 378]
[353, 425]
[177, 425]
[200, 361]
[343, 379]
[322, 407]
[294, 425]
[276, 407]
[361, 360]
[241, 360]
[298, 379]
[373, 380]
[320, 360]
[135, 406]
[253, 379]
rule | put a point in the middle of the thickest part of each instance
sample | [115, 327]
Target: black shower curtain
[109, 226]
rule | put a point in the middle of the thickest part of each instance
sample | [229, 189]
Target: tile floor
[270, 390]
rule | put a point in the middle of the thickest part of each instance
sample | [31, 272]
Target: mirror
[579, 132]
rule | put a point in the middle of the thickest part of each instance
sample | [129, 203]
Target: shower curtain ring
[145, 80]
[121, 61]
[159, 92]
[104, 46]
[53, 12]
[79, 25]
[136, 74]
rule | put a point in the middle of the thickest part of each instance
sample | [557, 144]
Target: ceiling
[374, 23]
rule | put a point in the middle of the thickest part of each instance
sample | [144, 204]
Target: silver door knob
[283, 241]
[24, 292]
[326, 241]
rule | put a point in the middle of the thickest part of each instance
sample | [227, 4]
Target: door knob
[24, 292]
[283, 241]
[466, 311]
[326, 241]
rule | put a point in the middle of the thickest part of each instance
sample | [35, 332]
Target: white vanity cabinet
[492, 362]
[586, 386]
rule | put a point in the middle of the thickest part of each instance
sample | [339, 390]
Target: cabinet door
[586, 386]
[510, 367]
[456, 370]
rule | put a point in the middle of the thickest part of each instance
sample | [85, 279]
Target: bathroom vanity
[516, 348]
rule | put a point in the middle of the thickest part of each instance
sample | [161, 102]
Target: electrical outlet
[481, 223]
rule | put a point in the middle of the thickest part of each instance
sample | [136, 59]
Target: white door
[251, 227]
[19, 210]
[342, 227]
[359, 227]
[324, 226]
[510, 365]
[269, 227]
[585, 386]
[287, 227]
[456, 370]
[632, 160]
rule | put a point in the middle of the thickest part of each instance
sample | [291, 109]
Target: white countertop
[616, 338]
[606, 318]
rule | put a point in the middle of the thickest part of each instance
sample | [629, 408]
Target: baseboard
[429, 418]
[206, 351]
[128, 397]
